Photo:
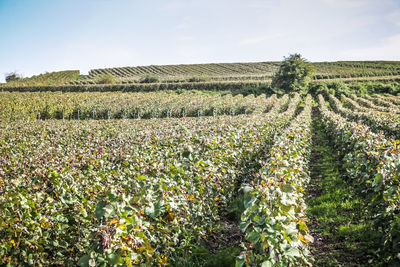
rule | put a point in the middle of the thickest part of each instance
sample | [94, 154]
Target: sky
[39, 36]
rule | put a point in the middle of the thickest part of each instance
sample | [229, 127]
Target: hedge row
[216, 86]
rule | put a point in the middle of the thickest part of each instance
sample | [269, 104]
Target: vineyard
[52, 78]
[214, 76]
[80, 106]
[198, 178]
[241, 71]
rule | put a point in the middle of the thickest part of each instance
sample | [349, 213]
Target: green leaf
[244, 225]
[247, 189]
[84, 213]
[288, 188]
[240, 261]
[100, 211]
[248, 201]
[149, 210]
[253, 237]
[378, 180]
[141, 177]
[84, 261]
[292, 252]
[115, 259]
[267, 264]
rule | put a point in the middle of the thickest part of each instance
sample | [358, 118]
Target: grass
[343, 237]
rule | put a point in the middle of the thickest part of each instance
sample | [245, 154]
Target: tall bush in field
[294, 75]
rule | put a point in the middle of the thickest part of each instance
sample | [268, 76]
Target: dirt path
[342, 237]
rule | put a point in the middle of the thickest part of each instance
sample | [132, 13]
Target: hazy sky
[48, 35]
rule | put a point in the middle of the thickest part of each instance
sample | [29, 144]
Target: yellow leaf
[5, 259]
[45, 224]
[122, 226]
[112, 222]
[301, 237]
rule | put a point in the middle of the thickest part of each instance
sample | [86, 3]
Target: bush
[106, 78]
[319, 88]
[13, 76]
[382, 88]
[149, 79]
[338, 87]
[203, 78]
[294, 75]
[254, 90]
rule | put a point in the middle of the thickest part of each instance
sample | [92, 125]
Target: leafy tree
[294, 75]
[13, 76]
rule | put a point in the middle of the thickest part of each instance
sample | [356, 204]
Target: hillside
[255, 71]
[50, 78]
[213, 76]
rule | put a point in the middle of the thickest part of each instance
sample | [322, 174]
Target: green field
[199, 178]
[201, 165]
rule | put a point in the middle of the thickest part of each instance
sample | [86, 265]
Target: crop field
[48, 105]
[213, 76]
[199, 179]
[243, 71]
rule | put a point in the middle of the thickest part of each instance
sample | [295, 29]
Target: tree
[12, 76]
[294, 75]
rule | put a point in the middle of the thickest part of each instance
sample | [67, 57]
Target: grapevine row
[274, 219]
[372, 163]
[378, 121]
[48, 105]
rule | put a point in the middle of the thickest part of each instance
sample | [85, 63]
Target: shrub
[106, 78]
[294, 75]
[149, 79]
[13, 76]
[318, 88]
[203, 78]
[338, 87]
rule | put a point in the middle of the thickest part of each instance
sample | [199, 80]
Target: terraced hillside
[259, 71]
[216, 76]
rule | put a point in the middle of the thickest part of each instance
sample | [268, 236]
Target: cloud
[387, 49]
